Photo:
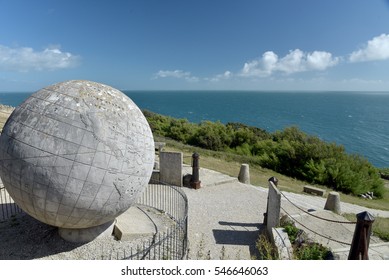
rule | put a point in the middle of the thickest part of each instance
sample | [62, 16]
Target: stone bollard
[244, 174]
[333, 203]
[195, 182]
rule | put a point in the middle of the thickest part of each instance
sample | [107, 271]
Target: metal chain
[319, 234]
[324, 219]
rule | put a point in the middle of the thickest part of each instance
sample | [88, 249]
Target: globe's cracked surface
[76, 154]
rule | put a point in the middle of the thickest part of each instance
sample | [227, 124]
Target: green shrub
[290, 152]
[292, 232]
[212, 135]
[305, 250]
[312, 251]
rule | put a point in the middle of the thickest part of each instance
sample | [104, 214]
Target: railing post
[274, 180]
[360, 245]
[273, 208]
[195, 181]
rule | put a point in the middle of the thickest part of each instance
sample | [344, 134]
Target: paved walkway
[225, 217]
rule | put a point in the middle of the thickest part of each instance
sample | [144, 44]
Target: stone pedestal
[84, 235]
[333, 203]
[244, 174]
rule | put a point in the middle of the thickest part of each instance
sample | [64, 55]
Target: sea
[357, 120]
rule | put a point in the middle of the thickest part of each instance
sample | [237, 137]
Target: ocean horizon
[355, 119]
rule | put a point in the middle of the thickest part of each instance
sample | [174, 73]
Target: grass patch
[229, 164]
[266, 250]
[380, 226]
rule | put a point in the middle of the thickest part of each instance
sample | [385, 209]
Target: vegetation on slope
[290, 152]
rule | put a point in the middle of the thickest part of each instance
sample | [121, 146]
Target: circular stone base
[84, 235]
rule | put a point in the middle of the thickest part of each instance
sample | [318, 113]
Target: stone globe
[76, 154]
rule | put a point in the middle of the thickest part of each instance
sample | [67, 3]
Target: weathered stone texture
[76, 154]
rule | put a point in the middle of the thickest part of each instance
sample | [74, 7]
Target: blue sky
[196, 44]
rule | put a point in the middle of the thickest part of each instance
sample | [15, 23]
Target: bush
[180, 130]
[292, 232]
[290, 152]
[304, 250]
[212, 135]
[312, 251]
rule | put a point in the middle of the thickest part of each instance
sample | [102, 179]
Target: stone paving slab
[224, 221]
[378, 251]
[225, 217]
[314, 202]
[133, 224]
[329, 233]
[209, 177]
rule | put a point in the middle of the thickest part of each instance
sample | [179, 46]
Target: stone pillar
[244, 174]
[273, 206]
[170, 167]
[333, 203]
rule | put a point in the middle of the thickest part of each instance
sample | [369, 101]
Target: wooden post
[360, 246]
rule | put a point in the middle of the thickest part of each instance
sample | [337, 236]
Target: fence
[172, 244]
[360, 243]
[7, 205]
[169, 244]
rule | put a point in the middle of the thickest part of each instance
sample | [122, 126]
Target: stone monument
[76, 155]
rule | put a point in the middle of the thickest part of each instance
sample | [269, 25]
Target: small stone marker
[333, 202]
[244, 174]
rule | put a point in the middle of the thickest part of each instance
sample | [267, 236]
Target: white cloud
[27, 59]
[295, 61]
[261, 67]
[375, 49]
[319, 60]
[174, 74]
[178, 74]
[225, 76]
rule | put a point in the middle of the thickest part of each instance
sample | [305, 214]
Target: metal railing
[7, 206]
[171, 243]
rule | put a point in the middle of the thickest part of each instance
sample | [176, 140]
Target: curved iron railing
[7, 205]
[171, 243]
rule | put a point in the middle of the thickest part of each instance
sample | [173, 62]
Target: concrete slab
[377, 251]
[132, 224]
[224, 198]
[315, 227]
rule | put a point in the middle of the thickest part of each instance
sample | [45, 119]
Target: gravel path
[22, 238]
[225, 218]
[224, 221]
